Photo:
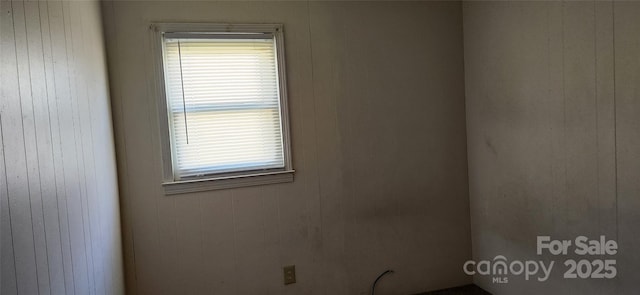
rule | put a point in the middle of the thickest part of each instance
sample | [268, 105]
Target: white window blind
[223, 104]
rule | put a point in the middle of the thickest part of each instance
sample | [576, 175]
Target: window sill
[209, 184]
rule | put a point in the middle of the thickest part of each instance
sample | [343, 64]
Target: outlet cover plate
[289, 274]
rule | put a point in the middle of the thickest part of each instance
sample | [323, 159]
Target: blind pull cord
[184, 104]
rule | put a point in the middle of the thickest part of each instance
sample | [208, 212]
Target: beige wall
[553, 119]
[59, 216]
[377, 115]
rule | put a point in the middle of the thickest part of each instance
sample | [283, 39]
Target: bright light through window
[223, 101]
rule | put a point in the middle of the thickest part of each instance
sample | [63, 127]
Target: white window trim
[170, 183]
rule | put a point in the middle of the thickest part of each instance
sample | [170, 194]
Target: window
[223, 106]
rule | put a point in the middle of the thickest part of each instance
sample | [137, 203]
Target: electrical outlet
[289, 274]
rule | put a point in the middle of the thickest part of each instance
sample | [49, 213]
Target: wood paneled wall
[378, 141]
[60, 227]
[553, 116]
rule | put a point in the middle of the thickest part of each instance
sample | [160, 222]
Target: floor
[464, 290]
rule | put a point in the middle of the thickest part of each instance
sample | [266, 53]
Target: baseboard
[463, 290]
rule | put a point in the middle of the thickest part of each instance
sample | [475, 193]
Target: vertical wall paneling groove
[38, 100]
[15, 159]
[28, 132]
[47, 163]
[59, 77]
[60, 231]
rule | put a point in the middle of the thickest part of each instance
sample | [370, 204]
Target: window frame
[171, 183]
